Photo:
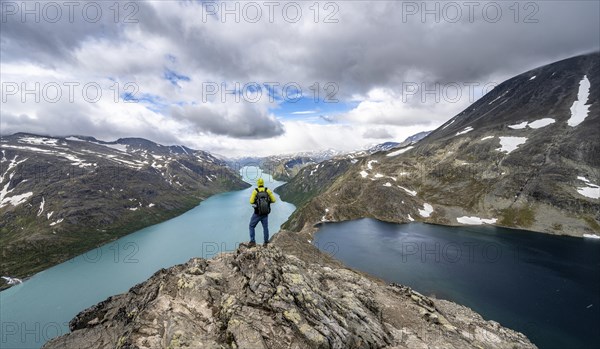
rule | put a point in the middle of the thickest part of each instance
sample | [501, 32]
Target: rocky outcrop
[289, 295]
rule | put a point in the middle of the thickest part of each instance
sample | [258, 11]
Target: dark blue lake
[546, 286]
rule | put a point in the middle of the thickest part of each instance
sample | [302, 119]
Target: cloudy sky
[258, 78]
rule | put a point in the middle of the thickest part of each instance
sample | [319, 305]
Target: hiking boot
[251, 244]
[266, 244]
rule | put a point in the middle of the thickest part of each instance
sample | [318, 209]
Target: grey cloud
[378, 133]
[54, 34]
[370, 47]
[240, 122]
[60, 120]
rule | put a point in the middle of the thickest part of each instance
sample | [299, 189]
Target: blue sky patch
[175, 77]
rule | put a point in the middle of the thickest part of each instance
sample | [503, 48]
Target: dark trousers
[264, 220]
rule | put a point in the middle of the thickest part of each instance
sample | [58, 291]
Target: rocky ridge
[289, 295]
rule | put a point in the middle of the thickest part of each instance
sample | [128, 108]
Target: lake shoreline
[515, 277]
[315, 228]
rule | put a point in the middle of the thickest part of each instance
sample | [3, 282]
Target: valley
[62, 196]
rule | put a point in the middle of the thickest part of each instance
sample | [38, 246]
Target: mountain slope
[285, 167]
[278, 297]
[392, 145]
[517, 158]
[62, 196]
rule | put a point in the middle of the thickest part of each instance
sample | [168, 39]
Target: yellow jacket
[253, 196]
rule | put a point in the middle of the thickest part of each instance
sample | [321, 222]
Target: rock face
[514, 158]
[288, 295]
[62, 196]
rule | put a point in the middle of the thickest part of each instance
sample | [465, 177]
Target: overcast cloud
[161, 57]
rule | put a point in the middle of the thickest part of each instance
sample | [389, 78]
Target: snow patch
[541, 123]
[133, 208]
[324, 219]
[466, 130]
[57, 222]
[378, 175]
[151, 205]
[591, 236]
[75, 160]
[426, 211]
[410, 218]
[451, 122]
[411, 192]
[518, 126]
[13, 163]
[364, 174]
[39, 140]
[590, 192]
[534, 124]
[579, 111]
[497, 98]
[387, 184]
[508, 144]
[15, 200]
[583, 179]
[475, 220]
[370, 164]
[401, 151]
[12, 281]
[119, 147]
[48, 215]
[487, 137]
[41, 207]
[533, 77]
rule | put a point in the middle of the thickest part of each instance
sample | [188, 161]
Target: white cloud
[299, 136]
[390, 107]
[370, 54]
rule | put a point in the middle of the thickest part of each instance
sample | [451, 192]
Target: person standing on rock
[261, 199]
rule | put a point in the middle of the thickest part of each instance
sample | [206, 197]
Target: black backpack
[263, 202]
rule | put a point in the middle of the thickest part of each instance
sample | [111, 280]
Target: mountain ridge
[62, 196]
[509, 159]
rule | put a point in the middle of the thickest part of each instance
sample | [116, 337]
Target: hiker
[261, 200]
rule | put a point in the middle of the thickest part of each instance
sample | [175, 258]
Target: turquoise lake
[41, 308]
[547, 287]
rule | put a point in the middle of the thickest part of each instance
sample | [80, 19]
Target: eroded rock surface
[288, 295]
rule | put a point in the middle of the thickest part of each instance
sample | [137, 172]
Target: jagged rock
[278, 297]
